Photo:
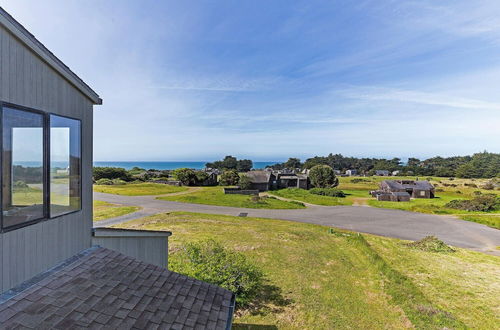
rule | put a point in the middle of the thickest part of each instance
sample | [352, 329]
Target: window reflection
[22, 167]
[65, 173]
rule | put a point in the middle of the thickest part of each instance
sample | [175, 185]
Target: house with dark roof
[262, 180]
[414, 188]
[52, 276]
[381, 172]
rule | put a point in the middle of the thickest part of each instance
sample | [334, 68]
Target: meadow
[216, 196]
[322, 279]
[139, 189]
[105, 210]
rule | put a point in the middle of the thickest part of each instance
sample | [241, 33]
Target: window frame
[46, 166]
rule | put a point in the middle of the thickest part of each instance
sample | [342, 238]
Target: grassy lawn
[105, 210]
[139, 189]
[343, 280]
[306, 197]
[216, 196]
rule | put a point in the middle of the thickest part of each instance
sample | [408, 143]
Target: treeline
[479, 165]
[231, 163]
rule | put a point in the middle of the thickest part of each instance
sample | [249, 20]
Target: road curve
[383, 222]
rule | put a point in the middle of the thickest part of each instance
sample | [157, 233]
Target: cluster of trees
[479, 165]
[231, 163]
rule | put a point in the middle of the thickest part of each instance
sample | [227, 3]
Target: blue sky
[268, 80]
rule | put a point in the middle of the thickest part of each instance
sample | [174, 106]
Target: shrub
[119, 182]
[186, 176]
[229, 178]
[357, 180]
[211, 262]
[111, 173]
[483, 203]
[431, 244]
[331, 192]
[323, 176]
[106, 182]
[201, 177]
[488, 186]
[20, 184]
[245, 182]
[477, 192]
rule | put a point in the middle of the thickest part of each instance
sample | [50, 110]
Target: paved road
[383, 222]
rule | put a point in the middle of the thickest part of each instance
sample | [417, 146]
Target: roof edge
[122, 232]
[21, 33]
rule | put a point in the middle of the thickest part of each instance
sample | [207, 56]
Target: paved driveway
[383, 222]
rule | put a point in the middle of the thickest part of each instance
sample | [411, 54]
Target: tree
[185, 175]
[323, 176]
[201, 177]
[244, 165]
[229, 178]
[245, 182]
[293, 163]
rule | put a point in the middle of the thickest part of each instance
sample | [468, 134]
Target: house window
[23, 187]
[65, 165]
[422, 193]
[40, 166]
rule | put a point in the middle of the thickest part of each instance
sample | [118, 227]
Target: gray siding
[28, 81]
[153, 250]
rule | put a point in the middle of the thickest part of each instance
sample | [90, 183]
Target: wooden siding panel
[26, 80]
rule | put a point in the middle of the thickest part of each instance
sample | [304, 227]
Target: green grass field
[139, 189]
[216, 196]
[306, 197]
[104, 210]
[318, 280]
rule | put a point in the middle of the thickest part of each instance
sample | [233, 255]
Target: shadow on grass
[269, 299]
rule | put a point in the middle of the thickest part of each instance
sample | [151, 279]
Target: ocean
[169, 165]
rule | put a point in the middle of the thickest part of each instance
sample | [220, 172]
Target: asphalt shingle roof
[106, 289]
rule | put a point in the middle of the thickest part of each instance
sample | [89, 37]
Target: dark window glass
[22, 167]
[65, 163]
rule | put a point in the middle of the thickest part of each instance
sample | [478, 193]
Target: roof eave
[21, 33]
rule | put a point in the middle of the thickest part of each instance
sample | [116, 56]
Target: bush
[106, 182]
[431, 244]
[186, 176]
[245, 182]
[20, 184]
[483, 203]
[201, 177]
[229, 178]
[119, 182]
[111, 173]
[323, 176]
[473, 185]
[488, 186]
[211, 262]
[331, 192]
[357, 180]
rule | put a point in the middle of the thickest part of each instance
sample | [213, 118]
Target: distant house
[351, 172]
[392, 196]
[337, 172]
[395, 173]
[262, 180]
[416, 189]
[293, 181]
[382, 172]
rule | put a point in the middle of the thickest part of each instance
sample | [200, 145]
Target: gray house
[51, 274]
[382, 172]
[262, 180]
[417, 189]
